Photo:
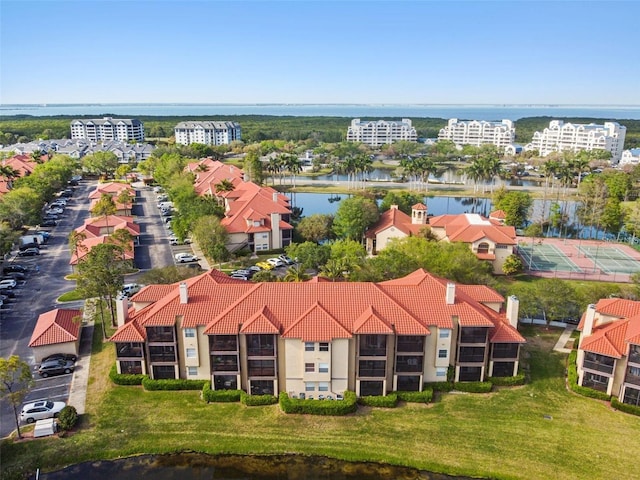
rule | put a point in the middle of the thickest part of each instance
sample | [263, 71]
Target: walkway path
[80, 381]
[564, 338]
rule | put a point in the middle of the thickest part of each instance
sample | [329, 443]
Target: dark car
[29, 252]
[15, 268]
[56, 367]
[15, 275]
[60, 356]
[48, 223]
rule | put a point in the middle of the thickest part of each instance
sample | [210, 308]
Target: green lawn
[500, 435]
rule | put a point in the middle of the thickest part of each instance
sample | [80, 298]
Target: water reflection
[195, 466]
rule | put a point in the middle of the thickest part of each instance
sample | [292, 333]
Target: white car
[129, 289]
[185, 257]
[39, 410]
[8, 283]
[276, 262]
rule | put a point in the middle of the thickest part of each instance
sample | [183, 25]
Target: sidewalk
[201, 258]
[564, 338]
[78, 389]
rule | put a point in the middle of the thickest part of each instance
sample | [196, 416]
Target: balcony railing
[373, 351]
[126, 350]
[162, 357]
[225, 363]
[262, 371]
[634, 379]
[406, 364]
[414, 346]
[597, 366]
[261, 352]
[372, 372]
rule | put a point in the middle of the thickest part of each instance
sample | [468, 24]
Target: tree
[15, 382]
[104, 207]
[512, 265]
[8, 237]
[168, 275]
[225, 185]
[212, 238]
[551, 298]
[404, 201]
[333, 269]
[516, 206]
[315, 228]
[101, 163]
[354, 215]
[21, 206]
[68, 417]
[75, 242]
[349, 252]
[253, 168]
[295, 274]
[310, 255]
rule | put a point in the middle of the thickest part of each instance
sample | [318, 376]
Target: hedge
[220, 396]
[438, 386]
[625, 407]
[257, 400]
[388, 401]
[319, 407]
[572, 380]
[507, 381]
[424, 396]
[474, 387]
[125, 378]
[172, 384]
[68, 417]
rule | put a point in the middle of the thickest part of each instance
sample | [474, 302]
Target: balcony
[410, 344]
[504, 350]
[223, 343]
[224, 363]
[262, 368]
[471, 355]
[162, 355]
[160, 334]
[408, 364]
[372, 369]
[599, 363]
[473, 335]
[127, 350]
[261, 346]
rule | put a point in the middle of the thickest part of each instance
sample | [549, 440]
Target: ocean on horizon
[463, 112]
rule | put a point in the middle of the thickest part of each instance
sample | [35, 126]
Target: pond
[196, 466]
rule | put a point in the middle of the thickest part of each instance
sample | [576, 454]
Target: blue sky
[320, 52]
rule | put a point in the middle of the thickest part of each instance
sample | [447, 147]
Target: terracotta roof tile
[618, 307]
[316, 325]
[370, 323]
[129, 332]
[262, 322]
[56, 326]
[481, 293]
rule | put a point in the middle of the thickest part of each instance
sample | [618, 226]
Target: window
[189, 332]
[192, 371]
[309, 367]
[191, 353]
[309, 387]
[309, 346]
[442, 353]
[441, 372]
[323, 386]
[324, 347]
[483, 247]
[323, 368]
[444, 334]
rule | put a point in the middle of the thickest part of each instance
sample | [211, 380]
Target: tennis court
[545, 257]
[611, 259]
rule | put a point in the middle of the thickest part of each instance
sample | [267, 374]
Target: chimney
[451, 294]
[394, 207]
[122, 310]
[513, 305]
[275, 197]
[589, 319]
[184, 294]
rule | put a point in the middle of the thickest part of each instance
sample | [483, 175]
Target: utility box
[45, 427]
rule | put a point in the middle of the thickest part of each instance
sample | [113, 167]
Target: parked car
[243, 273]
[8, 284]
[55, 367]
[276, 262]
[19, 276]
[129, 289]
[15, 267]
[60, 356]
[29, 252]
[285, 259]
[265, 265]
[173, 240]
[55, 210]
[40, 410]
[48, 223]
[237, 276]
[185, 257]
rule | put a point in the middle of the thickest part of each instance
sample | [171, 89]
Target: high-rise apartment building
[381, 132]
[477, 133]
[559, 136]
[107, 129]
[207, 133]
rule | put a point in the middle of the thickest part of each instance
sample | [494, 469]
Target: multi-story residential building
[477, 133]
[207, 133]
[381, 132]
[560, 136]
[609, 349]
[630, 157]
[107, 129]
[255, 217]
[318, 338]
[489, 239]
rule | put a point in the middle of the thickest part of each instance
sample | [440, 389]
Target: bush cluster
[572, 380]
[508, 381]
[257, 400]
[424, 396]
[125, 378]
[385, 401]
[319, 407]
[68, 417]
[438, 386]
[220, 396]
[474, 387]
[624, 407]
[172, 384]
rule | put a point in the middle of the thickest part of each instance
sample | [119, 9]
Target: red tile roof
[85, 246]
[612, 338]
[393, 217]
[618, 307]
[471, 227]
[56, 326]
[130, 332]
[111, 188]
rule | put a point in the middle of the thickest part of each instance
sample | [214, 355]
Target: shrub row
[424, 396]
[572, 380]
[319, 407]
[438, 386]
[172, 384]
[508, 381]
[474, 387]
[624, 407]
[220, 396]
[257, 400]
[125, 378]
[387, 401]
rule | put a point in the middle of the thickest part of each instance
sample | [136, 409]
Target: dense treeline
[256, 128]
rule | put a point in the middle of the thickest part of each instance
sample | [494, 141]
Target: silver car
[39, 410]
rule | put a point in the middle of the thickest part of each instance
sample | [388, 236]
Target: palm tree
[295, 274]
[225, 185]
[75, 242]
[294, 165]
[333, 269]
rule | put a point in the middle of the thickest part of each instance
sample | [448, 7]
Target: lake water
[477, 112]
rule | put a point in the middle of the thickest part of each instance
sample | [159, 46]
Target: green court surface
[610, 259]
[545, 258]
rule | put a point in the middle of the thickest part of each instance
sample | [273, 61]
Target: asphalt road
[44, 284]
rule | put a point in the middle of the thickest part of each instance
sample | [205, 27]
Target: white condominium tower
[559, 136]
[207, 133]
[477, 133]
[107, 129]
[381, 132]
